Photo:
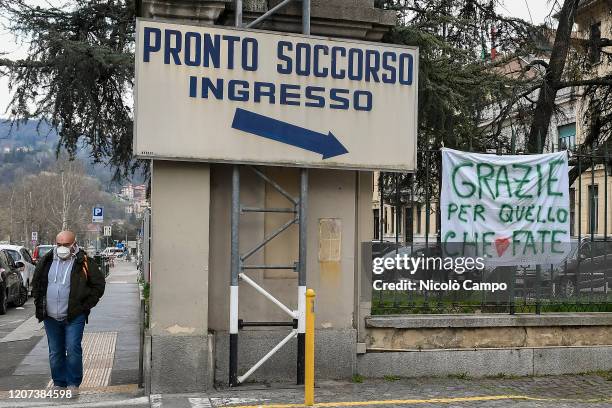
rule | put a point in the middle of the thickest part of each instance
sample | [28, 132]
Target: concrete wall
[487, 337]
[486, 362]
[341, 196]
[335, 356]
[488, 331]
[180, 347]
[487, 345]
[191, 204]
[332, 195]
[180, 201]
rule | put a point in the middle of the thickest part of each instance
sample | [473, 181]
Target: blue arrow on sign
[284, 132]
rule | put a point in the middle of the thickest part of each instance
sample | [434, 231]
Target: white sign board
[513, 209]
[225, 95]
[108, 230]
[97, 214]
[34, 236]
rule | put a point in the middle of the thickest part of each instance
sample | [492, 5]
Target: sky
[530, 10]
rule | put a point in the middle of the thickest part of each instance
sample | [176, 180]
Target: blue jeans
[65, 352]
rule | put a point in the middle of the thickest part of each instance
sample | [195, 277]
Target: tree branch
[603, 81]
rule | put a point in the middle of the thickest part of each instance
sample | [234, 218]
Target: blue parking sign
[97, 214]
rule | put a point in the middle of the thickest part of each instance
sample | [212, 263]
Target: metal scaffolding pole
[306, 17]
[238, 15]
[235, 254]
[303, 221]
[235, 270]
[303, 225]
[268, 13]
[237, 260]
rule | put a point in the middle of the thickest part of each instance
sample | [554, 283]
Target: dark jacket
[86, 289]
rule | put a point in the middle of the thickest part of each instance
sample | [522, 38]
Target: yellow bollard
[309, 346]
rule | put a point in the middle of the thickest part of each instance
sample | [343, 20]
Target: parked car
[12, 289]
[40, 251]
[588, 266]
[20, 253]
[112, 252]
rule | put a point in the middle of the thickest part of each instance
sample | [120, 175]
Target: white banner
[511, 210]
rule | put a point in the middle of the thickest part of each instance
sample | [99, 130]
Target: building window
[376, 224]
[594, 43]
[393, 220]
[593, 209]
[419, 215]
[567, 136]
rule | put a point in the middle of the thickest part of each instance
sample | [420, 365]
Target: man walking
[66, 286]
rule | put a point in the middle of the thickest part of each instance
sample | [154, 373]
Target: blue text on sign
[302, 59]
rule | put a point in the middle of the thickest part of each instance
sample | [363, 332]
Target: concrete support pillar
[180, 346]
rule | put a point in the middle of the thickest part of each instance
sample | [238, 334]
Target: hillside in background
[40, 192]
[31, 133]
[30, 148]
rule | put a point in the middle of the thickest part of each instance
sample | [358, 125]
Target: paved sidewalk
[536, 392]
[113, 330]
[582, 391]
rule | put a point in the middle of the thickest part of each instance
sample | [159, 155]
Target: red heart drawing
[501, 244]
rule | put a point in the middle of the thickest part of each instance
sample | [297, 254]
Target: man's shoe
[74, 391]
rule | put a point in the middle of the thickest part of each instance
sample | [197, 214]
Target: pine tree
[78, 74]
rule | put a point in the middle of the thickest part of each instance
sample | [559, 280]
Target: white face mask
[63, 252]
